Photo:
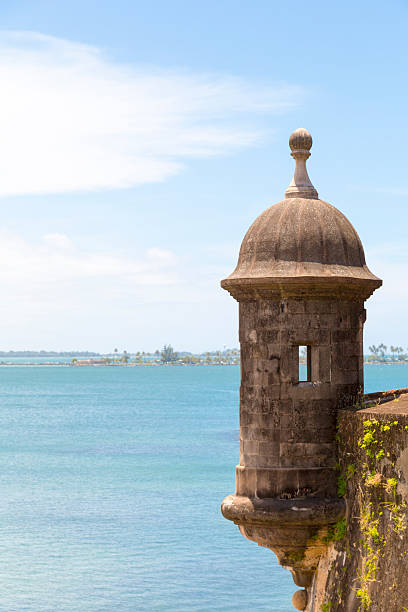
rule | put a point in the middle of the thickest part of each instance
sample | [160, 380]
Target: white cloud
[58, 241]
[161, 256]
[52, 266]
[72, 119]
[58, 294]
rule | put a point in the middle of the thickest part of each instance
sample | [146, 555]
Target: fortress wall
[366, 564]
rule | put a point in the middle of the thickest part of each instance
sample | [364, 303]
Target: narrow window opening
[305, 363]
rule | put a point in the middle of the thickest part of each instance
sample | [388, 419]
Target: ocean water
[111, 482]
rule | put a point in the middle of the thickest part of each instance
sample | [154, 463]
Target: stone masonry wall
[287, 426]
[366, 566]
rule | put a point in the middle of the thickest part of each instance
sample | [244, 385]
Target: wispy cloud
[59, 293]
[53, 265]
[73, 119]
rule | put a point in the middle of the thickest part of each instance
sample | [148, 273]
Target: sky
[139, 141]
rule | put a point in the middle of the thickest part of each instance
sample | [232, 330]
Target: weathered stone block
[260, 433]
[289, 369]
[267, 461]
[296, 433]
[295, 306]
[345, 335]
[257, 419]
[318, 306]
[251, 447]
[303, 336]
[269, 336]
[292, 449]
[340, 376]
[313, 390]
[273, 351]
[269, 449]
[308, 461]
[246, 481]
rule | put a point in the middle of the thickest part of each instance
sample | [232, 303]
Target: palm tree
[400, 351]
[168, 354]
[382, 348]
[374, 350]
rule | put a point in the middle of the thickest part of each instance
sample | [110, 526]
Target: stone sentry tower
[301, 282]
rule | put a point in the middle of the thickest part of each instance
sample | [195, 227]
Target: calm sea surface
[111, 481]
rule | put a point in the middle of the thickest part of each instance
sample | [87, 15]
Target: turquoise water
[111, 481]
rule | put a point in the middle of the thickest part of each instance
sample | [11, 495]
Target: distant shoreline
[109, 365]
[371, 362]
[156, 364]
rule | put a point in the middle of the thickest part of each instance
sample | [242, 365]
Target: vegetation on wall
[372, 481]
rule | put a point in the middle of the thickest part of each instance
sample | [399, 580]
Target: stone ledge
[372, 402]
[316, 511]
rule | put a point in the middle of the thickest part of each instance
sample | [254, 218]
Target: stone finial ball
[300, 140]
[299, 599]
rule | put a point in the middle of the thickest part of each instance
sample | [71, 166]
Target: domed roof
[302, 240]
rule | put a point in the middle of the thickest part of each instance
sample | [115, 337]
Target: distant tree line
[169, 355]
[379, 353]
